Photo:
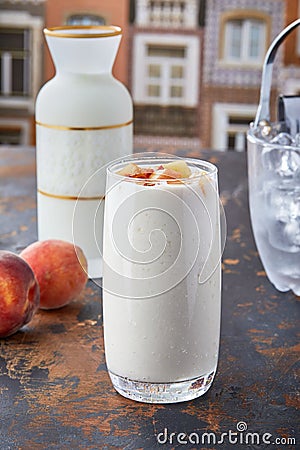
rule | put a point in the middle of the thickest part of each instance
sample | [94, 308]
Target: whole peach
[19, 293]
[60, 268]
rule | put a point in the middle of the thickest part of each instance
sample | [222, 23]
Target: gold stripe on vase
[70, 197]
[63, 127]
[69, 31]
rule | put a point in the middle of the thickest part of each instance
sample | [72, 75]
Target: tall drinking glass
[161, 280]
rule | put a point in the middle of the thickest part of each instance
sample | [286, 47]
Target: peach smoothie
[162, 278]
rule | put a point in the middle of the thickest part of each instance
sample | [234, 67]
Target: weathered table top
[54, 389]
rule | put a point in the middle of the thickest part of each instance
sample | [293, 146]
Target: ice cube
[290, 163]
[279, 205]
[283, 215]
[283, 139]
[297, 140]
[292, 233]
[284, 162]
[295, 204]
[284, 235]
[283, 202]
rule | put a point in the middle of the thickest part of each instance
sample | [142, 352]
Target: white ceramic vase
[83, 121]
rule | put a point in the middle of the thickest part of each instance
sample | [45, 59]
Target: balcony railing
[167, 13]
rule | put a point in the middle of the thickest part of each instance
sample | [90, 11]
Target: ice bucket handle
[263, 110]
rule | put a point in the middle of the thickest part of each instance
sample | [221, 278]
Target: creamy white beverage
[162, 279]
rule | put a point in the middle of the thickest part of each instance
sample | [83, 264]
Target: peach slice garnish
[144, 173]
[129, 170]
[180, 167]
[134, 171]
[168, 174]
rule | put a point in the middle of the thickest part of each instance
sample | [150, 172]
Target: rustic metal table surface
[54, 389]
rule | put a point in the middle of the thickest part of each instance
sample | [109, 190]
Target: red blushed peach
[60, 268]
[19, 293]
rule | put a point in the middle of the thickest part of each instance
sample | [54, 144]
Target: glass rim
[96, 31]
[264, 143]
[209, 169]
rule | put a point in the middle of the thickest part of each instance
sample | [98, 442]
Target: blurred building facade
[21, 67]
[25, 62]
[90, 12]
[290, 75]
[193, 67]
[166, 66]
[237, 36]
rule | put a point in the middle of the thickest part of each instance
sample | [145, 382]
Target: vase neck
[89, 50]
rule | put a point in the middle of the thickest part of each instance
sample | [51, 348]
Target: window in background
[15, 62]
[230, 125]
[85, 19]
[236, 133]
[10, 136]
[166, 70]
[14, 131]
[21, 39]
[244, 40]
[165, 73]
